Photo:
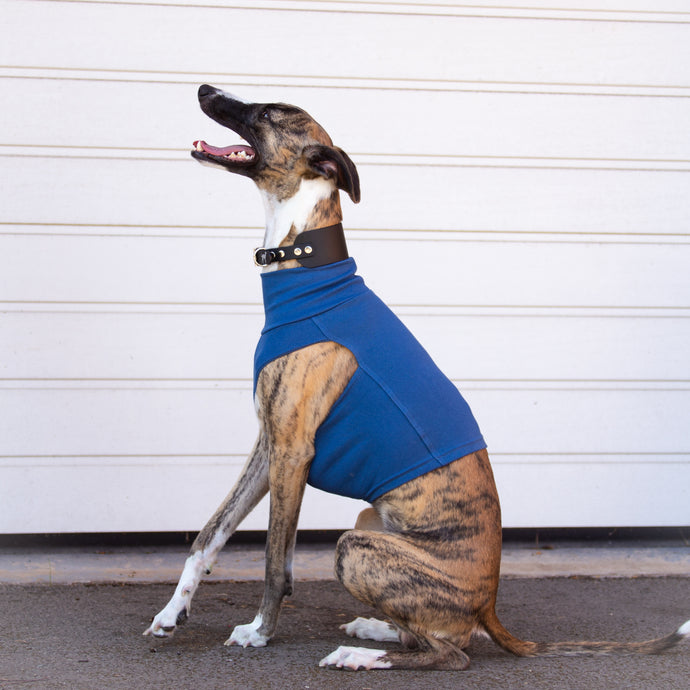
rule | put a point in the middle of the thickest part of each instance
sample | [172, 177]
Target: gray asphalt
[88, 634]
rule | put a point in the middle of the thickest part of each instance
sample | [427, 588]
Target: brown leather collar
[312, 248]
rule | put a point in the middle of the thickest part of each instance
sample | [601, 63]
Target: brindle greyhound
[427, 554]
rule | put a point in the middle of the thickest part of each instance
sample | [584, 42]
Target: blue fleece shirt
[399, 417]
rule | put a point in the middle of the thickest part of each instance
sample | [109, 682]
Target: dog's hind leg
[433, 572]
[442, 657]
[430, 608]
[249, 489]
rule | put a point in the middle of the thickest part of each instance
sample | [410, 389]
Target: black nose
[206, 90]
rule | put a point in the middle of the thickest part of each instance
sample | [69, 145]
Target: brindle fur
[427, 554]
[437, 561]
[295, 393]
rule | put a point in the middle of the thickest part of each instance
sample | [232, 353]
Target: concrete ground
[70, 564]
[73, 618]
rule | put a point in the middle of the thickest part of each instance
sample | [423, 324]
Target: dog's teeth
[199, 147]
[237, 155]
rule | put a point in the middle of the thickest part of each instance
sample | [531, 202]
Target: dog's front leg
[288, 478]
[249, 489]
[295, 394]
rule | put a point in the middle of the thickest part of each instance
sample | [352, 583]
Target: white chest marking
[282, 215]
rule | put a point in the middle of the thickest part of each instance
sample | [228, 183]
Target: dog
[348, 401]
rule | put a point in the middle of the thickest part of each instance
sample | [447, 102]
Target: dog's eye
[265, 114]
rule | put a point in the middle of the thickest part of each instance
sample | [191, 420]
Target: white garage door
[525, 179]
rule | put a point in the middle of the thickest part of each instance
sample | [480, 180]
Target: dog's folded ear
[333, 163]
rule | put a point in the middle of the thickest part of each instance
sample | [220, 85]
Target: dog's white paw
[177, 609]
[165, 623]
[248, 635]
[371, 629]
[355, 658]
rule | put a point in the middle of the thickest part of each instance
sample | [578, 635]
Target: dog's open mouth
[235, 154]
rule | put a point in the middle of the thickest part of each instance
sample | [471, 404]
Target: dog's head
[285, 146]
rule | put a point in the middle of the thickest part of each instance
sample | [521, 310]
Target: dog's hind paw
[355, 658]
[371, 629]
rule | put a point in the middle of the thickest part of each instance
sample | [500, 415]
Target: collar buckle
[265, 257]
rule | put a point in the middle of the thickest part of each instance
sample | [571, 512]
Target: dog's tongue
[223, 150]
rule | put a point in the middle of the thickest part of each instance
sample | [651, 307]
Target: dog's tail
[520, 647]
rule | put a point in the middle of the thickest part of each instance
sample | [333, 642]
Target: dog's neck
[316, 204]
